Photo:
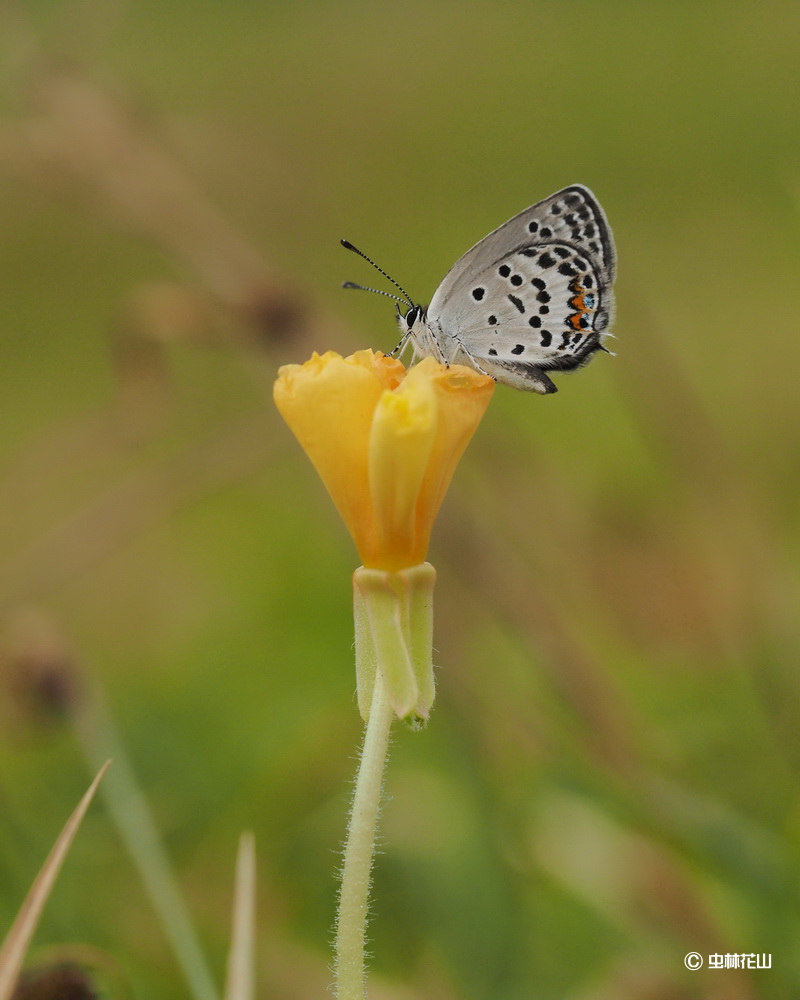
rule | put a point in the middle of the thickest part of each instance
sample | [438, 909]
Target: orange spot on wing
[579, 303]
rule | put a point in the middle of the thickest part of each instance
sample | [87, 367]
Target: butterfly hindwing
[538, 307]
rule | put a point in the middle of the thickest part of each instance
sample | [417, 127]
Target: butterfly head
[410, 318]
[416, 330]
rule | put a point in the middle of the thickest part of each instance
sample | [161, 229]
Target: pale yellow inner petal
[403, 434]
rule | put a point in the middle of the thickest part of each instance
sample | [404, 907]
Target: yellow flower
[385, 442]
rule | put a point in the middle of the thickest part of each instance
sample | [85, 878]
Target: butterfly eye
[412, 315]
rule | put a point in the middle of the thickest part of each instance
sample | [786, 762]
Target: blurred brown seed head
[38, 675]
[62, 982]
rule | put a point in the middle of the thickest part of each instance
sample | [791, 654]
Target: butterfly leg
[400, 347]
[472, 360]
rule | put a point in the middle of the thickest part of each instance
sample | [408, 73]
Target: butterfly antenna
[349, 284]
[378, 291]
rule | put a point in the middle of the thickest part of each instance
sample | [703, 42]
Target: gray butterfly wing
[533, 295]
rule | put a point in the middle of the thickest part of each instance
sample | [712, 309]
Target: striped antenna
[350, 284]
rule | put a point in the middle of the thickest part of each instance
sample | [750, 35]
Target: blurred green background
[609, 778]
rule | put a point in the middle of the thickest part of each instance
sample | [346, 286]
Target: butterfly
[532, 297]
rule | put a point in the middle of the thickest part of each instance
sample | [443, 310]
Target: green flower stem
[360, 848]
[394, 671]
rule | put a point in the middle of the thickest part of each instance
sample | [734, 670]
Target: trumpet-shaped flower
[385, 442]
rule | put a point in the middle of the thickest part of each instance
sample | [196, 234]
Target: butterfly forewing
[570, 216]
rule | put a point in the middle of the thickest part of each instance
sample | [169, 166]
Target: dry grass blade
[18, 938]
[239, 983]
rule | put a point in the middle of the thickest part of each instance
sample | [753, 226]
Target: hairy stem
[359, 849]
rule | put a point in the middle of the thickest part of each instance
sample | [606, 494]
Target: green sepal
[393, 614]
